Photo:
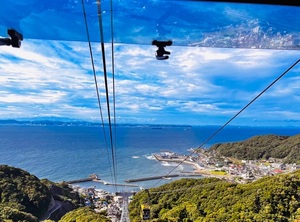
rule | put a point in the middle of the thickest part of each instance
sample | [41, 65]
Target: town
[205, 164]
[211, 163]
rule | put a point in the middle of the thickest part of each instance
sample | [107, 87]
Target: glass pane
[187, 23]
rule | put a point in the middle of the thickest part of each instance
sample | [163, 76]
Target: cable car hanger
[14, 40]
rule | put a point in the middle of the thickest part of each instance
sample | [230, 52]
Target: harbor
[95, 178]
[205, 165]
[212, 164]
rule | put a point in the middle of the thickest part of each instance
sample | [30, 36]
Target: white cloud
[46, 97]
[192, 106]
[57, 79]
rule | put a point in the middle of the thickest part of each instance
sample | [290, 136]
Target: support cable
[230, 120]
[113, 73]
[106, 89]
[96, 83]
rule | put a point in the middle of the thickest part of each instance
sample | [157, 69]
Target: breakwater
[79, 180]
[95, 178]
[90, 178]
[151, 178]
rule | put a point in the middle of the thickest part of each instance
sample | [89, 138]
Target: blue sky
[195, 86]
[48, 78]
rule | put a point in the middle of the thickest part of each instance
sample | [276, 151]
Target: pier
[151, 178]
[90, 178]
[79, 180]
[116, 184]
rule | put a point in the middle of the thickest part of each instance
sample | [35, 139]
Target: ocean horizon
[70, 152]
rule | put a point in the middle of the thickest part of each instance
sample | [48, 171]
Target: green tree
[275, 198]
[12, 213]
[83, 214]
[20, 187]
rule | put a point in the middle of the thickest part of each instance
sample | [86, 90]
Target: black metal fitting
[161, 53]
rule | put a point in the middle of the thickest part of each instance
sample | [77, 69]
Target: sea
[70, 152]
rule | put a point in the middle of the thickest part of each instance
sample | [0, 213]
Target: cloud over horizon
[195, 86]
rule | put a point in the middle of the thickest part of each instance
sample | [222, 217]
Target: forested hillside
[23, 197]
[84, 214]
[263, 147]
[210, 199]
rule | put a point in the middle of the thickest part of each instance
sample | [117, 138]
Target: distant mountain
[74, 122]
[263, 147]
[9, 121]
[56, 122]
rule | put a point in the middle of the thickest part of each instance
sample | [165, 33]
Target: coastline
[209, 164]
[198, 170]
